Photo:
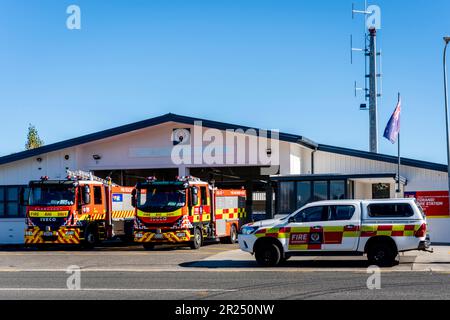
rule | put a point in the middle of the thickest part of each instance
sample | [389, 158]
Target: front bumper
[247, 242]
[172, 236]
[35, 236]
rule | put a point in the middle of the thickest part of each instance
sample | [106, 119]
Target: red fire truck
[81, 209]
[186, 211]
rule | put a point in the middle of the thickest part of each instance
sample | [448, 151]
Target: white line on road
[120, 289]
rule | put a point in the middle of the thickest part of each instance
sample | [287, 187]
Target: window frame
[369, 212]
[309, 208]
[341, 205]
[95, 196]
[204, 196]
[21, 212]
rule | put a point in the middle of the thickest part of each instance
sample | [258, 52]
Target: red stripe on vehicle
[333, 237]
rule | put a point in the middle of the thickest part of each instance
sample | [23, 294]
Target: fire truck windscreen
[161, 198]
[48, 194]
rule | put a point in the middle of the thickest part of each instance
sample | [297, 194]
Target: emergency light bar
[188, 178]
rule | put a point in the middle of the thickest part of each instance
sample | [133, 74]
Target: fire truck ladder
[89, 177]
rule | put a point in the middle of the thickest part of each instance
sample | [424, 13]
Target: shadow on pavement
[315, 264]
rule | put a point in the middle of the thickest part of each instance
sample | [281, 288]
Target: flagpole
[399, 188]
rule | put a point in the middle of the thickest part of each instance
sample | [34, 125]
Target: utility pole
[373, 91]
[372, 69]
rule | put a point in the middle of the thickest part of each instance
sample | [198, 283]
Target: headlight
[70, 233]
[28, 233]
[138, 235]
[248, 230]
[181, 234]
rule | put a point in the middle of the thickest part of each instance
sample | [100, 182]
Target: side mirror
[292, 220]
[86, 195]
[133, 198]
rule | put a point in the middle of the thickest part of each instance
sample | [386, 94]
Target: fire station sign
[435, 204]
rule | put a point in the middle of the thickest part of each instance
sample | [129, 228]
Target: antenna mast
[372, 76]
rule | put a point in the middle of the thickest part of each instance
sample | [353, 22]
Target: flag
[393, 127]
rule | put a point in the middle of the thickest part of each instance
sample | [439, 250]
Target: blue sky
[280, 64]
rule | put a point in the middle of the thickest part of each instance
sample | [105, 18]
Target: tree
[33, 140]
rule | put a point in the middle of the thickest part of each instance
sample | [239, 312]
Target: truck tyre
[148, 246]
[381, 254]
[268, 255]
[90, 238]
[233, 235]
[197, 242]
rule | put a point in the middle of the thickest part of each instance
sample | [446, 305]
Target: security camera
[96, 157]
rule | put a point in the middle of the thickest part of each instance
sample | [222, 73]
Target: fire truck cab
[77, 210]
[186, 211]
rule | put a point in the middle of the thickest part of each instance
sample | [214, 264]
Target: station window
[286, 204]
[9, 202]
[337, 190]
[303, 193]
[320, 190]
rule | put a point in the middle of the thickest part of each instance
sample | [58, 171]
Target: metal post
[373, 92]
[399, 187]
[447, 120]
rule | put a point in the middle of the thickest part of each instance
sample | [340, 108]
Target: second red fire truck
[186, 211]
[79, 210]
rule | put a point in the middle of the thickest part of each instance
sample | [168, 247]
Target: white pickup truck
[379, 228]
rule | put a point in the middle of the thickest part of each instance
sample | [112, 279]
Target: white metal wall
[417, 180]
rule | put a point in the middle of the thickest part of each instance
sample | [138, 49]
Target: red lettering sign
[434, 203]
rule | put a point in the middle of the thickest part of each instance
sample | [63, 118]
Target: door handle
[350, 227]
[317, 227]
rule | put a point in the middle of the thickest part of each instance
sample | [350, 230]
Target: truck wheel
[381, 254]
[90, 238]
[148, 246]
[233, 235]
[197, 242]
[268, 255]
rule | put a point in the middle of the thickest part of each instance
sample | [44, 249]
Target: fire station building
[281, 172]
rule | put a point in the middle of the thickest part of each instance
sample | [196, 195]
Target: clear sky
[278, 64]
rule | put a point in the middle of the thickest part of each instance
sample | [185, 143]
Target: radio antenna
[372, 71]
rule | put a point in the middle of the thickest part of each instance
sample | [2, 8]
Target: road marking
[120, 289]
[110, 253]
[221, 270]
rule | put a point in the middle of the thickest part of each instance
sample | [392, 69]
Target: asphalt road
[222, 285]
[179, 274]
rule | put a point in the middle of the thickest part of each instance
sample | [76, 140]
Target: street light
[447, 120]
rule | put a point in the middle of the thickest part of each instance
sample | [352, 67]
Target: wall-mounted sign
[434, 203]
